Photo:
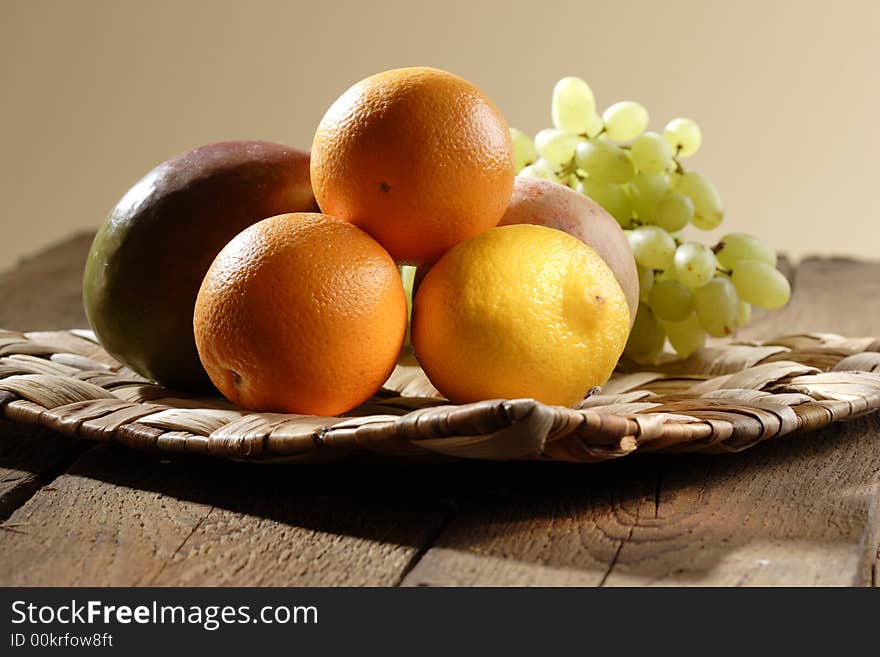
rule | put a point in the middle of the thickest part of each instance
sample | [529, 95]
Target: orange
[300, 313]
[519, 311]
[419, 158]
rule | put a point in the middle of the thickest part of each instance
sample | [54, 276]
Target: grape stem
[568, 169]
[586, 136]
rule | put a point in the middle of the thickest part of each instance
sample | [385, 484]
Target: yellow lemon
[519, 311]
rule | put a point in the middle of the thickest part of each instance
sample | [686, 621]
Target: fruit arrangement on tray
[425, 240]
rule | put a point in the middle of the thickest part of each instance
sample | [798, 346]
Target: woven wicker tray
[722, 399]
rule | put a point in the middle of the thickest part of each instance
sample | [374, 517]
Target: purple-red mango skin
[149, 257]
[550, 204]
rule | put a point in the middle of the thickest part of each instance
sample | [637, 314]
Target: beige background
[787, 93]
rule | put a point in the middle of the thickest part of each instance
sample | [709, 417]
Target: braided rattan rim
[723, 399]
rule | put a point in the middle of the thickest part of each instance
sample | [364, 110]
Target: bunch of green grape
[688, 290]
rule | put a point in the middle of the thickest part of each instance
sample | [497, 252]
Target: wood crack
[180, 546]
[657, 493]
[616, 556]
[431, 540]
[658, 483]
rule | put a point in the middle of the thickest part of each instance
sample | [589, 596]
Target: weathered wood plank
[84, 531]
[539, 524]
[27, 461]
[800, 511]
[121, 517]
[791, 513]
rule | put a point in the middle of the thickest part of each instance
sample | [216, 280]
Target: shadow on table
[34, 456]
[650, 517]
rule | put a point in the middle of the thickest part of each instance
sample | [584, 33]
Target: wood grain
[795, 512]
[30, 456]
[540, 524]
[120, 517]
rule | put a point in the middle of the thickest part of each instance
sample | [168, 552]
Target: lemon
[519, 311]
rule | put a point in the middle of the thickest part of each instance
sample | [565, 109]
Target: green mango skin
[148, 259]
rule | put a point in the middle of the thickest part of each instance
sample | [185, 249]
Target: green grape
[743, 314]
[646, 189]
[674, 211]
[610, 196]
[684, 136]
[646, 282]
[604, 161]
[651, 153]
[408, 276]
[594, 125]
[570, 180]
[555, 146]
[670, 300]
[741, 246]
[760, 284]
[524, 152]
[695, 264]
[708, 212]
[685, 336]
[540, 168]
[572, 105]
[647, 337]
[625, 120]
[717, 305]
[652, 247]
[666, 274]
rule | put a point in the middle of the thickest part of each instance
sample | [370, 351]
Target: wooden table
[798, 511]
